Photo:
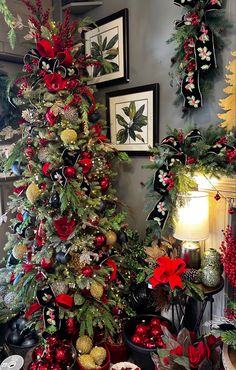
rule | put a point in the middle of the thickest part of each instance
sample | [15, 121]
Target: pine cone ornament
[75, 262]
[99, 355]
[19, 251]
[96, 290]
[71, 114]
[193, 275]
[87, 362]
[32, 193]
[84, 344]
[68, 136]
[59, 287]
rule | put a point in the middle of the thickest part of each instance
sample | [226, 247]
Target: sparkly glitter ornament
[137, 339]
[33, 193]
[96, 290]
[141, 329]
[68, 136]
[71, 114]
[71, 325]
[99, 355]
[75, 262]
[69, 171]
[63, 355]
[111, 237]
[87, 361]
[33, 365]
[19, 251]
[59, 287]
[43, 365]
[87, 271]
[154, 322]
[99, 240]
[84, 344]
[37, 353]
[104, 183]
[52, 340]
[55, 367]
[9, 299]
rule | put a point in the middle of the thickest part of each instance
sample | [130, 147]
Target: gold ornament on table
[84, 344]
[111, 238]
[19, 251]
[68, 136]
[228, 104]
[87, 362]
[96, 290]
[33, 193]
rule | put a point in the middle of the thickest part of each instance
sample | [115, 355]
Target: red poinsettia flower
[197, 354]
[64, 227]
[50, 117]
[97, 130]
[45, 48]
[65, 58]
[55, 82]
[168, 272]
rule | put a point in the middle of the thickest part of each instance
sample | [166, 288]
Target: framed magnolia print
[133, 118]
[108, 43]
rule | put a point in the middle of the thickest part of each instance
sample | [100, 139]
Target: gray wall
[151, 23]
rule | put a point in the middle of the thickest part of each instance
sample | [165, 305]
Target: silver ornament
[9, 299]
[3, 275]
[71, 114]
[59, 287]
[43, 155]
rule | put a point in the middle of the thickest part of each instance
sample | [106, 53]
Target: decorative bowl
[125, 365]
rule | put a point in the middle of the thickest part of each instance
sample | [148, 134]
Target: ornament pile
[90, 357]
[56, 354]
[148, 334]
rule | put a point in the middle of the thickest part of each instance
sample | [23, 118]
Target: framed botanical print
[108, 43]
[133, 118]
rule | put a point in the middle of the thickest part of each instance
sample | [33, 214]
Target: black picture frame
[116, 24]
[122, 106]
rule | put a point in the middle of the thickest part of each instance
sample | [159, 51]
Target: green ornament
[211, 276]
[212, 258]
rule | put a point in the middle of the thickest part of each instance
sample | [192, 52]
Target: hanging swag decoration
[196, 49]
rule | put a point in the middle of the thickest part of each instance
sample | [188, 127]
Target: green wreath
[211, 152]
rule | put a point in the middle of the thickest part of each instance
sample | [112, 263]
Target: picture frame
[133, 118]
[110, 42]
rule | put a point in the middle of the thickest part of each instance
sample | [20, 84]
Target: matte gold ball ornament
[33, 193]
[68, 136]
[99, 355]
[96, 290]
[84, 344]
[19, 251]
[87, 362]
[111, 237]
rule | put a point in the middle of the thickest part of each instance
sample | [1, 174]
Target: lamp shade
[192, 222]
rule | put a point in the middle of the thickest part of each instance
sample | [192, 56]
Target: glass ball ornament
[59, 287]
[211, 276]
[19, 251]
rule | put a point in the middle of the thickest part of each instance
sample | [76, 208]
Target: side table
[208, 297]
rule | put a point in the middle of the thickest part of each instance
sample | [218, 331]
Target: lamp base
[191, 254]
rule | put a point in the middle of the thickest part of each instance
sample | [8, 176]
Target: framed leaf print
[108, 43]
[133, 118]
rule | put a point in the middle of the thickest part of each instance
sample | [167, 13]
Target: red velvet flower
[45, 48]
[168, 272]
[197, 354]
[86, 163]
[55, 82]
[64, 227]
[65, 58]
[50, 117]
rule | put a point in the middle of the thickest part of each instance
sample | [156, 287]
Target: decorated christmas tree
[228, 104]
[64, 268]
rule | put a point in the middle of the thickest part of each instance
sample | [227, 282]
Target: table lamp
[192, 225]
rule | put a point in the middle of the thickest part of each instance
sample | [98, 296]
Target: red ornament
[137, 339]
[50, 117]
[155, 331]
[71, 326]
[46, 168]
[38, 353]
[52, 341]
[86, 163]
[69, 171]
[87, 271]
[43, 365]
[19, 216]
[33, 365]
[104, 183]
[149, 343]
[45, 263]
[55, 367]
[29, 152]
[155, 322]
[63, 355]
[85, 155]
[99, 240]
[217, 196]
[141, 329]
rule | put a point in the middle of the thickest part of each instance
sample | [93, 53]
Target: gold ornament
[68, 136]
[111, 237]
[33, 193]
[87, 362]
[99, 355]
[75, 262]
[96, 290]
[18, 251]
[84, 344]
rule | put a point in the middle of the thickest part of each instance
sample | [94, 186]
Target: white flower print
[45, 66]
[163, 177]
[161, 208]
[190, 86]
[205, 66]
[204, 53]
[193, 101]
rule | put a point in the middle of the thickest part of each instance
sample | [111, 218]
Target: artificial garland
[180, 155]
[198, 40]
